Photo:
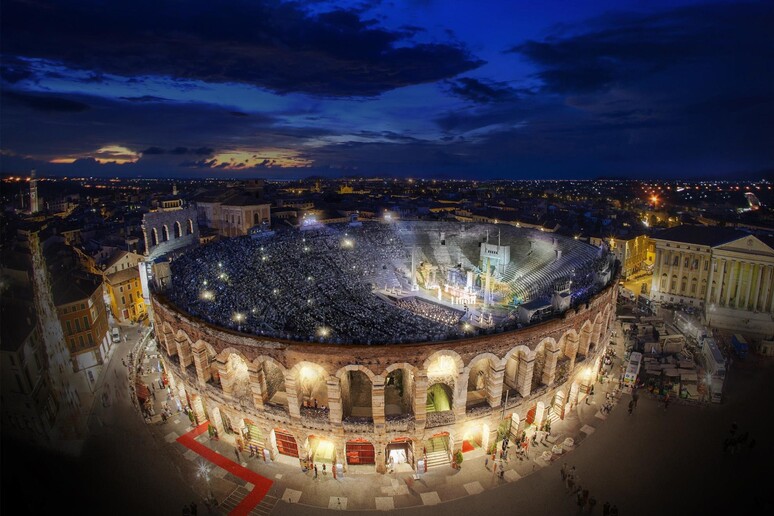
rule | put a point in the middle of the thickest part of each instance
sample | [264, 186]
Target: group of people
[735, 440]
[584, 498]
[430, 311]
[317, 285]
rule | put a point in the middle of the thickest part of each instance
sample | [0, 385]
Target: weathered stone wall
[158, 220]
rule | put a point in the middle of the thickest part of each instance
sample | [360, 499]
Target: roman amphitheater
[384, 344]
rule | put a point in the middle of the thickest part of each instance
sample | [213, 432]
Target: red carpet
[262, 484]
[466, 447]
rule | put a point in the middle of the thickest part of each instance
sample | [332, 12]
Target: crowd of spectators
[319, 285]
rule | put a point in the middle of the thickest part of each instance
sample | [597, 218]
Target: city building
[630, 250]
[726, 272]
[125, 293]
[80, 308]
[29, 405]
[170, 227]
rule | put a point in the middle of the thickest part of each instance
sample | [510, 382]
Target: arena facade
[370, 407]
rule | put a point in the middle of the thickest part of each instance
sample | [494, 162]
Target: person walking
[315, 471]
[324, 472]
[563, 471]
[631, 406]
[592, 503]
[614, 510]
[666, 401]
[194, 510]
[606, 509]
[236, 452]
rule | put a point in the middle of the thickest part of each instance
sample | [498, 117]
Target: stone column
[707, 294]
[202, 363]
[730, 282]
[549, 367]
[377, 404]
[750, 275]
[226, 378]
[257, 382]
[494, 385]
[460, 396]
[184, 351]
[680, 275]
[757, 290]
[766, 289]
[169, 343]
[524, 377]
[292, 394]
[420, 401]
[334, 400]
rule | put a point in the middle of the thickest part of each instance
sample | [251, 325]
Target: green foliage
[458, 457]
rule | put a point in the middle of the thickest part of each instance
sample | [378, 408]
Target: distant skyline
[424, 88]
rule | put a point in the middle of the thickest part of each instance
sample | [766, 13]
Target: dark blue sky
[471, 89]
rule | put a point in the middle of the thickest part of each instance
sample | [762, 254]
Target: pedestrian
[592, 503]
[614, 510]
[315, 471]
[588, 398]
[324, 472]
[236, 452]
[631, 406]
[570, 483]
[486, 462]
[666, 401]
[580, 500]
[585, 496]
[563, 471]
[194, 509]
[606, 509]
[153, 387]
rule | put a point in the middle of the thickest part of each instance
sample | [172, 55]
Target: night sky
[445, 89]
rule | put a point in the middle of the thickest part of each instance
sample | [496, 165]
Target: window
[83, 306]
[69, 329]
[685, 262]
[85, 322]
[676, 261]
[77, 325]
[72, 343]
[123, 300]
[706, 265]
[90, 339]
[131, 297]
[120, 289]
[80, 341]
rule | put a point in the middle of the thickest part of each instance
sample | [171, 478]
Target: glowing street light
[208, 295]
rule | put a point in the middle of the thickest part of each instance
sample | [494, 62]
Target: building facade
[125, 292]
[631, 252]
[370, 406]
[80, 308]
[170, 227]
[727, 273]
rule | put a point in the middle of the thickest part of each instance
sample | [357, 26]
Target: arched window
[664, 281]
[189, 228]
[177, 230]
[683, 284]
[165, 233]
[154, 237]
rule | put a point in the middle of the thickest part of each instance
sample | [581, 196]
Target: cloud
[45, 103]
[620, 50]
[270, 44]
[479, 91]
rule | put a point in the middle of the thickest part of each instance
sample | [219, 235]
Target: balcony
[358, 425]
[400, 423]
[315, 418]
[435, 419]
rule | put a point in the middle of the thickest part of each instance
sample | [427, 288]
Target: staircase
[437, 453]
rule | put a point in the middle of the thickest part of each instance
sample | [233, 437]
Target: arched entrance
[253, 436]
[400, 454]
[359, 452]
[475, 437]
[437, 450]
[285, 443]
[321, 450]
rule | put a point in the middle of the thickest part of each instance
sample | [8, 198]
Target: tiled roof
[700, 235]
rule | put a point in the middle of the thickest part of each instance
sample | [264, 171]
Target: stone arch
[433, 360]
[272, 380]
[399, 390]
[164, 233]
[482, 377]
[189, 227]
[177, 229]
[235, 375]
[154, 237]
[310, 381]
[168, 338]
[596, 335]
[356, 388]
